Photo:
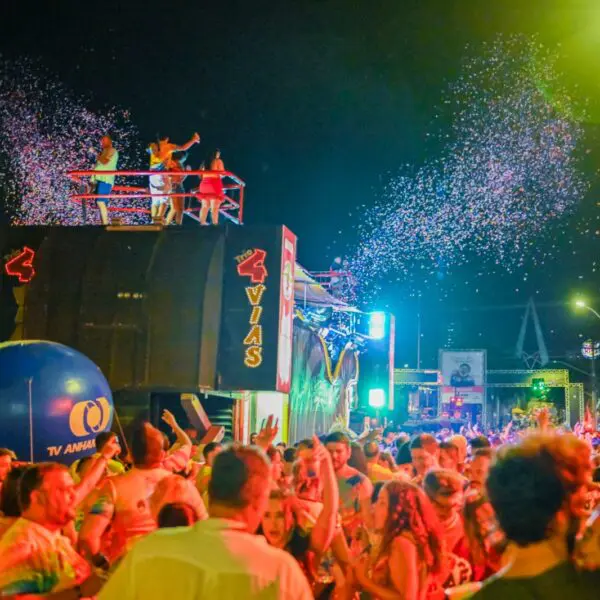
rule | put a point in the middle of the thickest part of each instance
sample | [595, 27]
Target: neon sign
[251, 265]
[21, 265]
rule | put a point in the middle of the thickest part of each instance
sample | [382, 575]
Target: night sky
[314, 104]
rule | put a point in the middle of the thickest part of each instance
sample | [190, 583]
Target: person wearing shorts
[159, 183]
[102, 184]
[161, 159]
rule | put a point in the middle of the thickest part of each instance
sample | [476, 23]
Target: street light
[582, 304]
[591, 350]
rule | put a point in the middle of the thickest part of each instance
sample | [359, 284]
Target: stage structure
[221, 316]
[420, 398]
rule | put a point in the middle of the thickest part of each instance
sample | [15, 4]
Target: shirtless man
[355, 491]
[161, 159]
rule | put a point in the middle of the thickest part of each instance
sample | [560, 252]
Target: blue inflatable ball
[54, 401]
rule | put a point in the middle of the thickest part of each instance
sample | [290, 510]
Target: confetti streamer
[44, 132]
[506, 179]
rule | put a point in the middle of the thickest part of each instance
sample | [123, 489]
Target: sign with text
[286, 311]
[463, 375]
[258, 298]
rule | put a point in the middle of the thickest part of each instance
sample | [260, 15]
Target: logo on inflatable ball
[90, 417]
[54, 401]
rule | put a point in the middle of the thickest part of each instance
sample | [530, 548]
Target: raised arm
[183, 438]
[324, 529]
[97, 521]
[195, 140]
[97, 471]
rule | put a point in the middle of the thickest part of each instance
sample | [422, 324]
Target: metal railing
[231, 198]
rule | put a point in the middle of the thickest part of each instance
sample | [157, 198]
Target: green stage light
[377, 325]
[376, 398]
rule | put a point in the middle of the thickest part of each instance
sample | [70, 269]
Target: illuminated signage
[251, 264]
[21, 265]
[286, 312]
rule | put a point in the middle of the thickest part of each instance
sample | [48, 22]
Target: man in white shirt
[220, 557]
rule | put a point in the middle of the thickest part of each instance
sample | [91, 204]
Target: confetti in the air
[44, 132]
[507, 177]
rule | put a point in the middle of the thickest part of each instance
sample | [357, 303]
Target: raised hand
[112, 448]
[268, 432]
[169, 418]
[543, 419]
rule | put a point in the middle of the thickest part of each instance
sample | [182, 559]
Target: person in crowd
[123, 500]
[10, 506]
[587, 550]
[462, 445]
[106, 160]
[289, 458]
[404, 460]
[357, 459]
[276, 461]
[176, 514]
[445, 490]
[479, 441]
[424, 451]
[306, 479]
[388, 440]
[35, 558]
[104, 439]
[536, 489]
[173, 489]
[485, 540]
[387, 460]
[449, 458]
[211, 189]
[307, 487]
[355, 491]
[219, 557]
[209, 452]
[6, 459]
[479, 468]
[406, 562]
[306, 541]
[253, 438]
[375, 471]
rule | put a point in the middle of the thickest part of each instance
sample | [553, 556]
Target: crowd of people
[376, 515]
[166, 184]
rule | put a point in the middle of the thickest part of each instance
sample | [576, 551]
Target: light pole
[582, 304]
[591, 350]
